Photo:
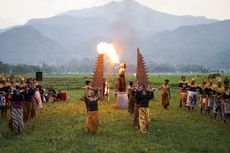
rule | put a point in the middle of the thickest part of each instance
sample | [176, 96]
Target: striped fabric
[144, 119]
[17, 117]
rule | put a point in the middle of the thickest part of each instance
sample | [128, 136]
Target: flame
[108, 49]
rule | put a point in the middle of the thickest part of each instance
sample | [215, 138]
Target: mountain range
[162, 37]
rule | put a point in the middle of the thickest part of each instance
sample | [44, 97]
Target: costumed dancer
[106, 90]
[3, 91]
[121, 79]
[16, 118]
[204, 95]
[92, 97]
[37, 95]
[132, 100]
[211, 94]
[226, 100]
[143, 97]
[166, 96]
[218, 95]
[3, 105]
[34, 101]
[88, 86]
[27, 107]
[192, 94]
[183, 92]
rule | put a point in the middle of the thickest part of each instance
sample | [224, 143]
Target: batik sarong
[165, 100]
[17, 116]
[27, 107]
[144, 119]
[131, 105]
[92, 122]
[136, 116]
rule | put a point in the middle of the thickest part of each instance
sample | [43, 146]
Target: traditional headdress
[203, 80]
[219, 81]
[193, 78]
[12, 79]
[123, 65]
[21, 78]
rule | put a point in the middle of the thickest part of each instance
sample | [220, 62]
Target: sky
[18, 12]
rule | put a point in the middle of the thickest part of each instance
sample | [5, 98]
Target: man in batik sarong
[132, 100]
[92, 97]
[165, 96]
[183, 92]
[143, 97]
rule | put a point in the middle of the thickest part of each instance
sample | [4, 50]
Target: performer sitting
[132, 100]
[92, 98]
[165, 94]
[143, 97]
[183, 85]
[52, 94]
[226, 99]
[16, 118]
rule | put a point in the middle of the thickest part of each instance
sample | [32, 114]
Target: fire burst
[108, 49]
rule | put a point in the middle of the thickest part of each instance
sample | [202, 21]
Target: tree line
[87, 66]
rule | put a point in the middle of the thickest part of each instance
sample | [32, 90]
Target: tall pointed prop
[141, 74]
[99, 75]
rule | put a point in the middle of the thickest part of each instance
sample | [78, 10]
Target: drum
[62, 95]
[38, 99]
[122, 100]
[2, 102]
[191, 99]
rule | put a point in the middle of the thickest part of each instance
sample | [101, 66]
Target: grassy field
[60, 127]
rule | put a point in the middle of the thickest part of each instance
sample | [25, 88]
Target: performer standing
[92, 97]
[143, 97]
[192, 94]
[226, 100]
[183, 85]
[27, 107]
[165, 94]
[3, 105]
[121, 79]
[132, 100]
[204, 95]
[218, 93]
[211, 95]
